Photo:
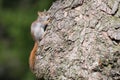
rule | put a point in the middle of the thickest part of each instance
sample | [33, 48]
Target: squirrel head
[43, 16]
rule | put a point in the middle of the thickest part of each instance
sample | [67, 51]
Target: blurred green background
[16, 43]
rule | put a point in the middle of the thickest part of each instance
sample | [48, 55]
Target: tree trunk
[82, 42]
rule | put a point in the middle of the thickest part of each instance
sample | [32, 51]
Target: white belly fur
[38, 31]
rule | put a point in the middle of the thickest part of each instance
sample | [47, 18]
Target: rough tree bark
[82, 42]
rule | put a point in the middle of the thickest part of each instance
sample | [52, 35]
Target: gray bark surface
[82, 42]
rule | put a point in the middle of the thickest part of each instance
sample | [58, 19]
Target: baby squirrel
[37, 32]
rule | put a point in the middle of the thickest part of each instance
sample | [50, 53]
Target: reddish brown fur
[32, 56]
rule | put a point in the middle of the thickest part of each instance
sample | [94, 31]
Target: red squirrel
[37, 32]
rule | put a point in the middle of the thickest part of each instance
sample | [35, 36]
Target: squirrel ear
[39, 13]
[44, 10]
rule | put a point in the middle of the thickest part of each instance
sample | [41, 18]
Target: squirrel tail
[32, 56]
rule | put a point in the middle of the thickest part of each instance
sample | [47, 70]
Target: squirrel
[37, 31]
